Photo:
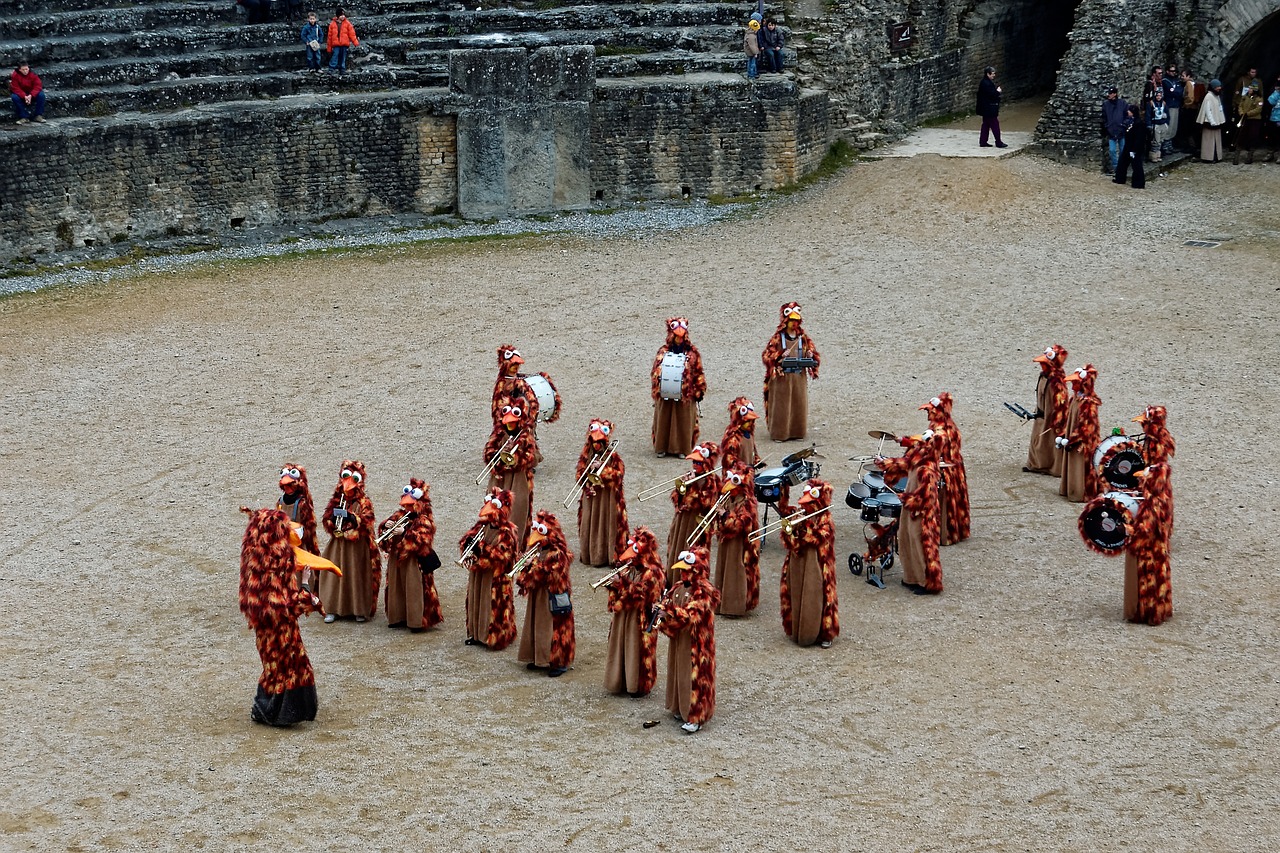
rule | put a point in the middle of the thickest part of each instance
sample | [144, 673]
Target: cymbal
[862, 460]
[883, 433]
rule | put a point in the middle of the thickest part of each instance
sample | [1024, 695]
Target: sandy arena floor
[1017, 711]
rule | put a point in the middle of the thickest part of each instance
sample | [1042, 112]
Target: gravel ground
[1016, 711]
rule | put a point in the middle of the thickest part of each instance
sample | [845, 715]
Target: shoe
[825, 644]
[1117, 181]
[360, 619]
[984, 144]
[40, 120]
[395, 624]
[329, 618]
[1001, 145]
[23, 121]
[556, 672]
[691, 727]
[468, 642]
[532, 666]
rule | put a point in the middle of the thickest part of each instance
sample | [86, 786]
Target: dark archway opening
[1256, 50]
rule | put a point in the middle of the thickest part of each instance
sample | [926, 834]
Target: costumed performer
[602, 506]
[350, 520]
[1051, 413]
[693, 496]
[510, 455]
[739, 443]
[786, 388]
[547, 640]
[954, 492]
[737, 554]
[1157, 444]
[1080, 479]
[295, 501]
[810, 601]
[675, 419]
[687, 615]
[408, 536]
[632, 663]
[512, 383]
[488, 549]
[919, 529]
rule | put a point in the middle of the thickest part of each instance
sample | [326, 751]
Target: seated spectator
[28, 94]
[771, 42]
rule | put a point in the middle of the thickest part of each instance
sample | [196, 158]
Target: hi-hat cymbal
[883, 433]
[862, 460]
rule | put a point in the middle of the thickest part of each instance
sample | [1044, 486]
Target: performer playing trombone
[547, 640]
[737, 554]
[602, 506]
[632, 663]
[510, 454]
[488, 549]
[810, 604]
[693, 502]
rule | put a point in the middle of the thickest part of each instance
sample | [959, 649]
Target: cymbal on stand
[882, 433]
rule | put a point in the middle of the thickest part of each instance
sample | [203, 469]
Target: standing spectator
[751, 47]
[989, 107]
[1250, 123]
[1113, 111]
[1135, 147]
[1193, 93]
[1273, 126]
[342, 37]
[1174, 94]
[772, 40]
[1243, 84]
[1211, 119]
[27, 94]
[1155, 83]
[311, 35]
[1157, 121]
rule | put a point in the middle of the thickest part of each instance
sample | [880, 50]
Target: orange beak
[286, 481]
[750, 416]
[295, 533]
[629, 554]
[680, 565]
[597, 435]
[1140, 419]
[806, 499]
[509, 420]
[407, 501]
[680, 332]
[536, 538]
[488, 512]
[348, 485]
[1043, 359]
[728, 487]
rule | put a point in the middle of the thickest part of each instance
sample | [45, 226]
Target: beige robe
[624, 662]
[1043, 456]
[804, 575]
[353, 593]
[787, 412]
[1075, 465]
[535, 638]
[405, 599]
[675, 426]
[520, 484]
[682, 526]
[731, 576]
[598, 529]
[910, 544]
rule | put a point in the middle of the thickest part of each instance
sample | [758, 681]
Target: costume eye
[606, 429]
[497, 503]
[541, 528]
[510, 354]
[406, 490]
[417, 494]
[736, 479]
[936, 401]
[295, 473]
[506, 410]
[347, 472]
[1050, 352]
[814, 492]
[704, 453]
[688, 557]
[631, 543]
[355, 475]
[926, 435]
[516, 410]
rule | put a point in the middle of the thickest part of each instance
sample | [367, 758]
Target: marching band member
[739, 443]
[547, 640]
[511, 454]
[954, 496]
[737, 555]
[1147, 557]
[408, 537]
[488, 549]
[632, 663]
[693, 501]
[919, 531]
[1158, 445]
[349, 519]
[295, 501]
[511, 383]
[810, 601]
[687, 616]
[675, 422]
[1080, 480]
[786, 389]
[602, 507]
[1050, 415]
[271, 603]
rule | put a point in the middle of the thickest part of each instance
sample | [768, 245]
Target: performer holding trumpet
[1080, 480]
[687, 616]
[954, 491]
[737, 554]
[635, 587]
[547, 639]
[510, 455]
[678, 386]
[349, 519]
[693, 497]
[488, 549]
[810, 600]
[790, 360]
[408, 538]
[919, 531]
[739, 442]
[602, 506]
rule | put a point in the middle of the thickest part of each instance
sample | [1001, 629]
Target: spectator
[751, 46]
[1135, 147]
[1174, 94]
[1192, 96]
[311, 35]
[1273, 126]
[27, 94]
[342, 37]
[989, 107]
[1211, 119]
[1243, 84]
[1250, 123]
[1113, 108]
[1157, 121]
[771, 41]
[1155, 83]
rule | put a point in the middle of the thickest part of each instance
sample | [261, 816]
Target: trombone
[505, 455]
[398, 527]
[593, 469]
[681, 483]
[526, 560]
[704, 525]
[786, 524]
[469, 552]
[609, 578]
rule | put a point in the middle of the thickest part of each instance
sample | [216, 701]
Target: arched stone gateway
[1241, 35]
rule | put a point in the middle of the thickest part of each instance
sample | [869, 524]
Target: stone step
[143, 70]
[45, 53]
[135, 18]
[714, 39]
[676, 62]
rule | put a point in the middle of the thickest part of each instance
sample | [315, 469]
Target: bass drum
[1107, 521]
[544, 394]
[1118, 460]
[671, 377]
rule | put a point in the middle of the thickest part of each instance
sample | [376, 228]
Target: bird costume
[810, 600]
[687, 617]
[693, 500]
[1043, 456]
[602, 507]
[410, 532]
[675, 422]
[511, 383]
[737, 555]
[739, 443]
[514, 443]
[491, 611]
[955, 483]
[919, 528]
[547, 639]
[786, 390]
[631, 666]
[1080, 479]
[350, 520]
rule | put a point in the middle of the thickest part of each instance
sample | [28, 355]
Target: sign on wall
[902, 35]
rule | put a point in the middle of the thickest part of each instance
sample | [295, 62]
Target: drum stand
[875, 564]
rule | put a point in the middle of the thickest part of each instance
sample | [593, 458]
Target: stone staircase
[97, 58]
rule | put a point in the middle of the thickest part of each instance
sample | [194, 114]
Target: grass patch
[939, 121]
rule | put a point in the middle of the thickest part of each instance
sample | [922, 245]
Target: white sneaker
[329, 618]
[691, 727]
[39, 119]
[23, 121]
[360, 619]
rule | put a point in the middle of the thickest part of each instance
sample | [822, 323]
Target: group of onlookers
[762, 43]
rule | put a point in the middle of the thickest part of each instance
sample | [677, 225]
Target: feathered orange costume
[547, 640]
[1043, 456]
[602, 508]
[810, 600]
[693, 501]
[955, 483]
[688, 618]
[739, 443]
[786, 393]
[1080, 479]
[513, 470]
[295, 501]
[1157, 446]
[272, 603]
[350, 520]
[491, 541]
[632, 663]
[511, 384]
[410, 531]
[675, 422]
[737, 556]
[919, 530]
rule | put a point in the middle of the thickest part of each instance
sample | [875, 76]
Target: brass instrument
[338, 519]
[591, 473]
[525, 561]
[707, 520]
[469, 552]
[609, 578]
[681, 483]
[786, 524]
[399, 527]
[659, 611]
[505, 455]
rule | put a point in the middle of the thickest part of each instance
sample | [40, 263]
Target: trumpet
[469, 551]
[398, 527]
[681, 483]
[505, 455]
[786, 524]
[707, 520]
[526, 560]
[609, 578]
[591, 473]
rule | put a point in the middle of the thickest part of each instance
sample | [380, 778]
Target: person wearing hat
[751, 46]
[1250, 111]
[1211, 119]
[1114, 108]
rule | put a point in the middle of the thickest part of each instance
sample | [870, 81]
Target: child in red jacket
[342, 36]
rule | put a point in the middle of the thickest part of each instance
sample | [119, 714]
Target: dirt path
[1015, 712]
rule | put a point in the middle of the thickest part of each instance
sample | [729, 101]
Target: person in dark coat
[989, 108]
[1135, 146]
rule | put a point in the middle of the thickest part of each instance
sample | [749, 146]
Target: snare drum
[544, 394]
[890, 505]
[858, 492]
[671, 378]
[769, 483]
[1118, 459]
[870, 510]
[1107, 521]
[873, 480]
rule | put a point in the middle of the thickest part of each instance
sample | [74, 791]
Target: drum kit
[671, 376]
[794, 470]
[879, 505]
